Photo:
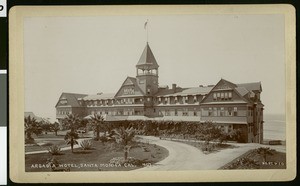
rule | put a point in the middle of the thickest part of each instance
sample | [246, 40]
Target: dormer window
[195, 99]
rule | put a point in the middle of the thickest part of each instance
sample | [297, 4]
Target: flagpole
[146, 27]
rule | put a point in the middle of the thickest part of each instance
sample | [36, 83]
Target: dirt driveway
[186, 157]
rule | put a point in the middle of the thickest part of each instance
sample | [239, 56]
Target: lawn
[98, 158]
[253, 160]
[40, 144]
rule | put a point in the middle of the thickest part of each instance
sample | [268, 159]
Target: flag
[145, 25]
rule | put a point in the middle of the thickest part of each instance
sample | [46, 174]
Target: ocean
[274, 127]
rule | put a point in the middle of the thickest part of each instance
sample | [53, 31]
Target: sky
[95, 54]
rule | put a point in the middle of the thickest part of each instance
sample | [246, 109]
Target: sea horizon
[274, 127]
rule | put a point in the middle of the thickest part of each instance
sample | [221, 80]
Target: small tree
[46, 127]
[124, 137]
[264, 152]
[55, 127]
[71, 122]
[70, 139]
[31, 126]
[97, 121]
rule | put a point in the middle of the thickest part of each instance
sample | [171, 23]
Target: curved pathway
[186, 157]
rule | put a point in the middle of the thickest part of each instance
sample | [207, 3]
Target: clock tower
[147, 72]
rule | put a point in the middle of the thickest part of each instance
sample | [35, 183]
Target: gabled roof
[184, 91]
[242, 91]
[130, 81]
[99, 96]
[224, 82]
[32, 115]
[256, 86]
[72, 99]
[147, 59]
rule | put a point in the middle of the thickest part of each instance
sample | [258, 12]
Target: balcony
[225, 119]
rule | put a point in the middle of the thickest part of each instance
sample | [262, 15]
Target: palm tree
[70, 138]
[97, 122]
[55, 127]
[31, 127]
[264, 152]
[71, 122]
[124, 137]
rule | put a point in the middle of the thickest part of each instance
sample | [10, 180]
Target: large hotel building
[230, 105]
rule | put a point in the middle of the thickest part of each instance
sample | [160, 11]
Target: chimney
[174, 87]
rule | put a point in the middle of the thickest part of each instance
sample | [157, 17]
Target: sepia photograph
[154, 92]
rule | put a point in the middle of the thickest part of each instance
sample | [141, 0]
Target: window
[222, 95]
[187, 99]
[215, 96]
[218, 95]
[63, 101]
[176, 113]
[229, 95]
[195, 99]
[215, 112]
[167, 113]
[185, 112]
[229, 111]
[209, 111]
[148, 90]
[195, 112]
[226, 95]
[234, 111]
[222, 111]
[148, 99]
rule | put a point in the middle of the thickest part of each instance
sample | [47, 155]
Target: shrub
[54, 150]
[29, 141]
[86, 144]
[130, 160]
[103, 139]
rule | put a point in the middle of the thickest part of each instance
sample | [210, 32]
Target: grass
[96, 159]
[46, 144]
[253, 160]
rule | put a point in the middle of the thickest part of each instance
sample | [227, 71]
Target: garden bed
[98, 158]
[253, 160]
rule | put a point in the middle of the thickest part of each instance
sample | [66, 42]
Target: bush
[29, 141]
[54, 150]
[103, 139]
[130, 160]
[86, 144]
[207, 147]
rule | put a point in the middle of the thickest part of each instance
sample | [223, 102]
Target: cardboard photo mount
[16, 96]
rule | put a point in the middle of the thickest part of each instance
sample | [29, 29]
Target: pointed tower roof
[147, 59]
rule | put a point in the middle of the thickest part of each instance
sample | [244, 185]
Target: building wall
[145, 81]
